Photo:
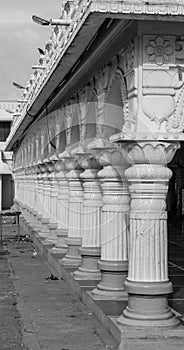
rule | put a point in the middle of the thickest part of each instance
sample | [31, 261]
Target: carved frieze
[159, 78]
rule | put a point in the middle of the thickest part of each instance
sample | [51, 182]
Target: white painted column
[45, 201]
[115, 225]
[91, 220]
[75, 213]
[25, 193]
[62, 207]
[53, 201]
[38, 192]
[31, 196]
[147, 283]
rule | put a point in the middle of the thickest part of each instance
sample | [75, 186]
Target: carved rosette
[159, 50]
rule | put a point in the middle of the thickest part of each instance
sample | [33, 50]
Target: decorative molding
[158, 108]
[104, 78]
[125, 101]
[126, 58]
[176, 122]
[159, 50]
[68, 115]
[83, 100]
[173, 8]
[150, 152]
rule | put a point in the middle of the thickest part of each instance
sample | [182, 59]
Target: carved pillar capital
[149, 152]
[148, 179]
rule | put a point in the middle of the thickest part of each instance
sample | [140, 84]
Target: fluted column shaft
[62, 206]
[75, 214]
[147, 283]
[115, 226]
[53, 202]
[38, 194]
[45, 201]
[91, 221]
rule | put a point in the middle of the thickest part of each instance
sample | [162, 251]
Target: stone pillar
[62, 207]
[38, 197]
[33, 204]
[147, 283]
[52, 202]
[18, 185]
[25, 195]
[44, 203]
[115, 225]
[91, 220]
[15, 179]
[35, 194]
[75, 213]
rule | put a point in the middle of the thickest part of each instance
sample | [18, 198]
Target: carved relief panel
[162, 82]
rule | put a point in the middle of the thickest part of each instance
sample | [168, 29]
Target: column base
[148, 305]
[73, 257]
[37, 222]
[89, 269]
[52, 232]
[61, 239]
[44, 231]
[23, 224]
[59, 253]
[113, 275]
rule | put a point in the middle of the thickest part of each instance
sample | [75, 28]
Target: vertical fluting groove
[166, 249]
[74, 228]
[148, 251]
[114, 232]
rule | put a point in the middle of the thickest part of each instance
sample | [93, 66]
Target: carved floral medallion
[159, 50]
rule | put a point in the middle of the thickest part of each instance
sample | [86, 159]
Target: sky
[19, 39]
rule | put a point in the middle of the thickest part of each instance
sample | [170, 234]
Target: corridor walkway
[37, 311]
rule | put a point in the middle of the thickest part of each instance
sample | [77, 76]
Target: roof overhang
[125, 12]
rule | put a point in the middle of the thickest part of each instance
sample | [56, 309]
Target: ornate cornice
[155, 7]
[59, 43]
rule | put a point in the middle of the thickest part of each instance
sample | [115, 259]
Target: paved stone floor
[37, 312]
